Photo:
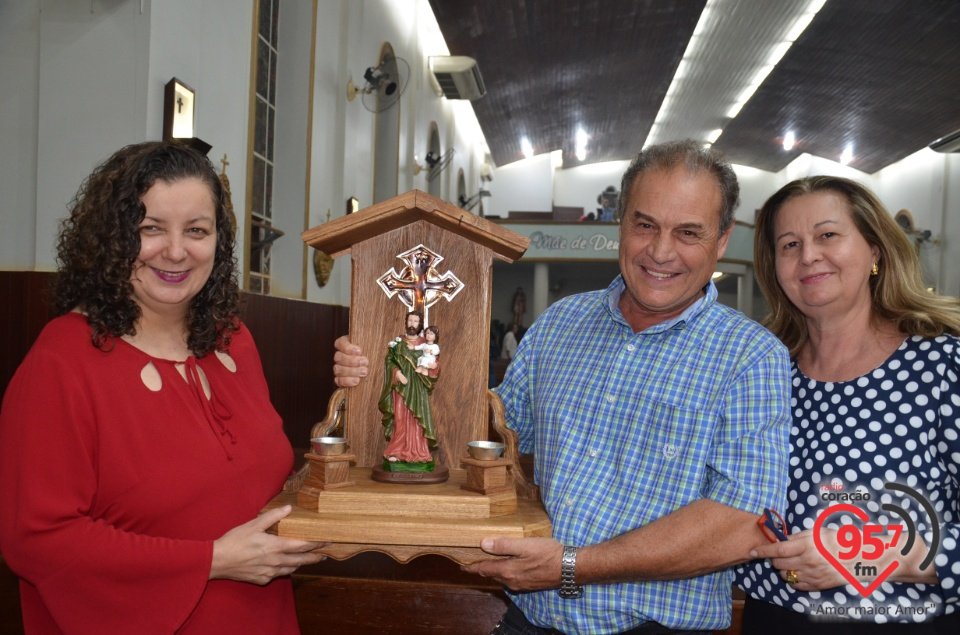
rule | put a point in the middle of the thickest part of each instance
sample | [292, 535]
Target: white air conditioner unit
[456, 77]
[486, 172]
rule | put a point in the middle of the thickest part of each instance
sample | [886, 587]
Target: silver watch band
[569, 590]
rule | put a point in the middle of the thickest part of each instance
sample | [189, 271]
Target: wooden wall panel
[24, 310]
[11, 622]
[371, 594]
[295, 340]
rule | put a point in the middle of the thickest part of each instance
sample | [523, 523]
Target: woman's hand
[815, 573]
[248, 554]
[799, 554]
[349, 366]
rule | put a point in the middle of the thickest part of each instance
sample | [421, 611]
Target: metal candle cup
[329, 446]
[485, 450]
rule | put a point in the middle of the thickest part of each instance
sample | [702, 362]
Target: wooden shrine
[417, 249]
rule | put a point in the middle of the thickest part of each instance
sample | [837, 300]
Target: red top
[112, 493]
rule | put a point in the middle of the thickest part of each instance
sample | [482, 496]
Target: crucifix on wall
[419, 284]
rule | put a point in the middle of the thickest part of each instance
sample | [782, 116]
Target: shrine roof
[336, 237]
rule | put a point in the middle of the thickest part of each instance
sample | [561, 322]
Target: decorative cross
[225, 163]
[179, 104]
[418, 284]
[328, 214]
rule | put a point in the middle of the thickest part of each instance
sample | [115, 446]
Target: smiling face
[669, 243]
[823, 262]
[178, 242]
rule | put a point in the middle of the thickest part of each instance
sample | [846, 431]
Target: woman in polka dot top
[876, 422]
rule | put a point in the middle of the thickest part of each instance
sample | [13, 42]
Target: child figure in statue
[405, 403]
[429, 349]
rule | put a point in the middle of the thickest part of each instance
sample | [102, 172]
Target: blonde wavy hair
[898, 293]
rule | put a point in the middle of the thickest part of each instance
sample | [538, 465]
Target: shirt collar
[618, 287]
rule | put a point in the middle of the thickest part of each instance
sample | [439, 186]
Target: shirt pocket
[668, 456]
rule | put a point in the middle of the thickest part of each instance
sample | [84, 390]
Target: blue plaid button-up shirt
[628, 427]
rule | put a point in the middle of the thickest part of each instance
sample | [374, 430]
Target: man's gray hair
[695, 158]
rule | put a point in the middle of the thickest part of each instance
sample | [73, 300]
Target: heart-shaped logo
[862, 515]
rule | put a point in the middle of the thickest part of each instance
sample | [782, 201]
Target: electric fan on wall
[383, 84]
[435, 163]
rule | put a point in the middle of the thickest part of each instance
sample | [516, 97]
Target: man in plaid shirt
[658, 419]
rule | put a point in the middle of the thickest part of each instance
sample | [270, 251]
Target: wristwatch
[569, 589]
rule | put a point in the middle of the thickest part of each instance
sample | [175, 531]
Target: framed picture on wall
[177, 110]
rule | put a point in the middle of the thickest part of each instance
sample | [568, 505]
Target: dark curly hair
[100, 241]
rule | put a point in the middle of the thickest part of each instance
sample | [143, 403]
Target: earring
[875, 271]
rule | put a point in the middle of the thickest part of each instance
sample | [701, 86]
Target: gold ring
[792, 577]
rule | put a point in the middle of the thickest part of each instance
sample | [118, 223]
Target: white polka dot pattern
[898, 423]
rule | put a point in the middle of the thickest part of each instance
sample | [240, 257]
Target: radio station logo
[866, 546]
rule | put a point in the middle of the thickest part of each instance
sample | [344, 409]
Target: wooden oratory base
[355, 513]
[487, 477]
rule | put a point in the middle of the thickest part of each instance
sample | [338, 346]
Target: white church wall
[916, 184]
[19, 75]
[580, 186]
[332, 167]
[755, 187]
[950, 228]
[91, 101]
[522, 186]
[94, 83]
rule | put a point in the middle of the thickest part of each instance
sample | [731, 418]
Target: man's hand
[349, 366]
[530, 564]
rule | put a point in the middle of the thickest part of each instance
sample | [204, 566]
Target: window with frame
[262, 176]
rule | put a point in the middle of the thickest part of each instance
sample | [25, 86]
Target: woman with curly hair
[876, 402]
[137, 439]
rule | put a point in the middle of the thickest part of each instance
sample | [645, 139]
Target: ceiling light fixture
[708, 60]
[526, 148]
[847, 155]
[776, 54]
[788, 140]
[581, 147]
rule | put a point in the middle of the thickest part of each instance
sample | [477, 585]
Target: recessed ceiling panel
[553, 66]
[882, 77]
